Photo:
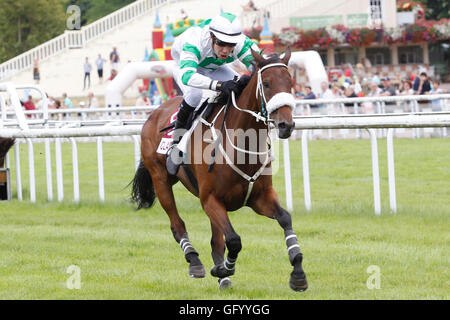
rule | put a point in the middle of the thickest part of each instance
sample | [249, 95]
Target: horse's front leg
[217, 254]
[221, 225]
[267, 204]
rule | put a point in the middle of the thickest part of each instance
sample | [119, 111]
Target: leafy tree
[92, 10]
[436, 9]
[28, 23]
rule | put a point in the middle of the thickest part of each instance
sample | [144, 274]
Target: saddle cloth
[167, 139]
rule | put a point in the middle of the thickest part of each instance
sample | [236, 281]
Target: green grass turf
[128, 254]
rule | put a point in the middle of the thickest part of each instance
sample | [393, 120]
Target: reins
[267, 107]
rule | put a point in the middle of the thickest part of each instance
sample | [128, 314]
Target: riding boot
[175, 156]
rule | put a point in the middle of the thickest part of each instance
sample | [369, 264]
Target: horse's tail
[142, 192]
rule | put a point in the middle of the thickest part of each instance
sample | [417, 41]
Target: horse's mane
[244, 80]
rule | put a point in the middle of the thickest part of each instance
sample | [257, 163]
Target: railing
[130, 127]
[355, 121]
[71, 39]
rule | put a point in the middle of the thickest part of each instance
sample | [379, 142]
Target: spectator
[67, 103]
[407, 88]
[374, 90]
[99, 62]
[113, 75]
[325, 91]
[388, 89]
[350, 93]
[29, 105]
[143, 100]
[298, 92]
[333, 108]
[424, 84]
[184, 15]
[250, 6]
[310, 95]
[335, 90]
[50, 103]
[114, 59]
[436, 104]
[356, 86]
[376, 79]
[92, 101]
[82, 105]
[87, 73]
[157, 99]
[36, 74]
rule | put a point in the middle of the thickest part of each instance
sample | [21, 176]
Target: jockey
[201, 54]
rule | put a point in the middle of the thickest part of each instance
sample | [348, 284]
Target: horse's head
[274, 90]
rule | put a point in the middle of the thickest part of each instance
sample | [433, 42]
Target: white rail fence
[44, 128]
[78, 38]
[306, 123]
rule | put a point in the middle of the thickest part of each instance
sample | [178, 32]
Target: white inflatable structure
[130, 73]
[313, 65]
[309, 60]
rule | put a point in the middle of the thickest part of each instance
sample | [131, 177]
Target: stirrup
[174, 160]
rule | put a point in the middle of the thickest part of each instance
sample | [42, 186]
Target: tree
[436, 9]
[28, 23]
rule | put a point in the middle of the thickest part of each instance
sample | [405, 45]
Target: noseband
[278, 100]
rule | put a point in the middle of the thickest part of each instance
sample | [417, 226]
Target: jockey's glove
[226, 86]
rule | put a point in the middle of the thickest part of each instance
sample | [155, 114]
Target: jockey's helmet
[226, 27]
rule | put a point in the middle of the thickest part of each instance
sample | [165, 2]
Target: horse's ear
[287, 56]
[258, 58]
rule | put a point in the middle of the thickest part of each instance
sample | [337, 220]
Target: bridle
[267, 107]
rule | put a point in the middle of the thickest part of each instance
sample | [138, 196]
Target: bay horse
[225, 186]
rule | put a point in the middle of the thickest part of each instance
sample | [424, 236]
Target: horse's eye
[265, 84]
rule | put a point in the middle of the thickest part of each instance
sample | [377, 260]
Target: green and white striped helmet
[226, 27]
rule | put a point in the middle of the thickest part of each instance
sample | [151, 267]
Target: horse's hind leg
[268, 205]
[164, 192]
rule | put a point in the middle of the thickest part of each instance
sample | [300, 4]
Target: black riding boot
[175, 156]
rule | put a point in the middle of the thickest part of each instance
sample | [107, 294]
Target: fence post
[305, 162]
[287, 175]
[18, 175]
[391, 169]
[76, 184]
[31, 170]
[375, 172]
[101, 183]
[59, 173]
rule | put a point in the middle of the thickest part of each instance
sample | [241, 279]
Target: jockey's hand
[227, 86]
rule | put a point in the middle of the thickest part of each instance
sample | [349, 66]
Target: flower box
[405, 17]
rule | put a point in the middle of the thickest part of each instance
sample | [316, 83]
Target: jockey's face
[221, 49]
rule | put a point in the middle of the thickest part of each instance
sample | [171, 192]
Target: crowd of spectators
[349, 84]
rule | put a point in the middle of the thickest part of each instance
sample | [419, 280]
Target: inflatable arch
[309, 60]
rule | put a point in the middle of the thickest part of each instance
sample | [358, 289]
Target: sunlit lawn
[128, 254]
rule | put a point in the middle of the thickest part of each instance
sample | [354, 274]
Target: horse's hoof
[298, 283]
[225, 283]
[197, 271]
[220, 271]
